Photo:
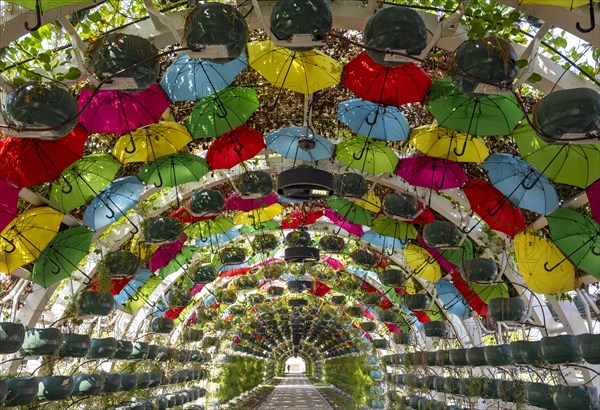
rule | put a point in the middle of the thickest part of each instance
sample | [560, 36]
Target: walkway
[295, 392]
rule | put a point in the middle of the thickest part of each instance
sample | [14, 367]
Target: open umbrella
[451, 299]
[119, 112]
[165, 252]
[349, 210]
[299, 143]
[385, 242]
[41, 7]
[129, 291]
[173, 169]
[26, 236]
[523, 184]
[235, 202]
[258, 215]
[233, 147]
[395, 86]
[218, 239]
[367, 155]
[203, 229]
[431, 172]
[343, 223]
[298, 218]
[593, 194]
[489, 292]
[266, 226]
[422, 263]
[373, 120]
[570, 4]
[179, 261]
[387, 226]
[443, 143]
[190, 79]
[9, 197]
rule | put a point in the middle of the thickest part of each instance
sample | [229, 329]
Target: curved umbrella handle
[441, 184]
[237, 146]
[68, 187]
[463, 149]
[160, 180]
[38, 16]
[595, 250]
[11, 244]
[374, 118]
[56, 269]
[535, 181]
[578, 25]
[221, 110]
[133, 149]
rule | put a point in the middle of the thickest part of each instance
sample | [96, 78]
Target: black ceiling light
[305, 183]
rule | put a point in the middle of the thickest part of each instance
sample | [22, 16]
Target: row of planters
[165, 401]
[420, 402]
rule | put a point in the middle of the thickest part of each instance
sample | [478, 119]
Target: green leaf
[95, 17]
[522, 63]
[535, 77]
[73, 74]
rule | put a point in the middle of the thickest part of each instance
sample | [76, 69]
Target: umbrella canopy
[62, 255]
[523, 184]
[9, 197]
[266, 226]
[371, 202]
[451, 298]
[381, 84]
[443, 143]
[571, 164]
[131, 288]
[26, 236]
[301, 71]
[534, 254]
[367, 155]
[190, 79]
[578, 237]
[221, 112]
[489, 292]
[593, 194]
[218, 239]
[45, 5]
[422, 263]
[30, 161]
[387, 226]
[298, 218]
[386, 242]
[113, 202]
[343, 223]
[493, 114]
[233, 147]
[151, 142]
[210, 227]
[299, 143]
[165, 252]
[349, 210]
[373, 120]
[236, 202]
[431, 172]
[119, 112]
[258, 215]
[82, 180]
[174, 169]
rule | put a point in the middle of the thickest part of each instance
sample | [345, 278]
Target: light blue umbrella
[374, 120]
[113, 202]
[360, 272]
[218, 239]
[385, 242]
[524, 185]
[299, 143]
[130, 289]
[190, 79]
[451, 298]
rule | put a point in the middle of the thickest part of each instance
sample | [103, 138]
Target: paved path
[295, 392]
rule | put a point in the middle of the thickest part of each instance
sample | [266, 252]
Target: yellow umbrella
[257, 216]
[301, 71]
[25, 237]
[422, 263]
[370, 202]
[150, 142]
[452, 145]
[567, 4]
[533, 254]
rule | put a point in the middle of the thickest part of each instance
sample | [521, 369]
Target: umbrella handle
[221, 110]
[68, 186]
[127, 150]
[463, 149]
[374, 118]
[56, 269]
[160, 181]
[578, 25]
[38, 16]
[535, 181]
[11, 244]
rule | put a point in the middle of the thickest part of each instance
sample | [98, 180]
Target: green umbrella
[221, 112]
[349, 210]
[62, 255]
[571, 164]
[83, 180]
[204, 229]
[367, 155]
[578, 237]
[266, 226]
[479, 115]
[456, 256]
[42, 6]
[387, 226]
[489, 292]
[183, 257]
[174, 169]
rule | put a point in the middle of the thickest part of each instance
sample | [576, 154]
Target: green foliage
[240, 375]
[350, 374]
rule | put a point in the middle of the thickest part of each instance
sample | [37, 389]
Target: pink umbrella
[9, 195]
[343, 223]
[431, 172]
[334, 263]
[235, 202]
[118, 112]
[593, 194]
[197, 288]
[165, 253]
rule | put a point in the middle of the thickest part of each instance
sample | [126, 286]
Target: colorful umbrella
[173, 169]
[266, 226]
[257, 216]
[489, 292]
[235, 202]
[385, 242]
[593, 194]
[130, 290]
[343, 223]
[233, 147]
[523, 184]
[218, 239]
[394, 86]
[570, 4]
[165, 253]
[451, 299]
[298, 218]
[443, 143]
[431, 172]
[179, 261]
[373, 120]
[299, 143]
[387, 226]
[9, 197]
[119, 112]
[480, 115]
[82, 180]
[204, 229]
[367, 155]
[221, 112]
[349, 211]
[190, 79]
[26, 236]
[151, 142]
[534, 254]
[30, 161]
[62, 255]
[371, 202]
[422, 263]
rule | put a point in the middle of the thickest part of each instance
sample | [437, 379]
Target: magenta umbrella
[339, 220]
[334, 263]
[9, 196]
[593, 194]
[166, 253]
[431, 172]
[235, 202]
[118, 112]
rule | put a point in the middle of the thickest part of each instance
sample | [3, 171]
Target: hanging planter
[560, 349]
[351, 185]
[305, 183]
[540, 395]
[368, 326]
[389, 316]
[297, 286]
[512, 391]
[298, 254]
[576, 397]
[227, 296]
[21, 390]
[298, 238]
[366, 257]
[441, 234]
[402, 338]
[332, 244]
[254, 184]
[121, 263]
[355, 311]
[247, 281]
[164, 354]
[203, 274]
[41, 342]
[162, 325]
[129, 381]
[498, 355]
[124, 349]
[140, 351]
[400, 205]
[442, 358]
[391, 277]
[293, 21]
[152, 351]
[479, 270]
[439, 383]
[232, 256]
[452, 385]
[102, 348]
[507, 309]
[526, 352]
[54, 387]
[143, 380]
[12, 336]
[436, 329]
[417, 302]
[589, 345]
[162, 230]
[112, 383]
[192, 335]
[155, 379]
[275, 291]
[265, 242]
[476, 356]
[74, 345]
[380, 344]
[96, 303]
[87, 384]
[177, 298]
[206, 202]
[297, 302]
[338, 300]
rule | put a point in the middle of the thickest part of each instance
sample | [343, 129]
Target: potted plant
[129, 381]
[74, 345]
[338, 300]
[120, 263]
[366, 257]
[475, 356]
[124, 349]
[112, 383]
[203, 274]
[163, 230]
[354, 311]
[54, 387]
[192, 335]
[323, 272]
[21, 390]
[177, 297]
[152, 352]
[436, 328]
[254, 184]
[576, 397]
[247, 281]
[299, 247]
[41, 341]
[96, 303]
[87, 384]
[227, 296]
[272, 270]
[206, 202]
[332, 243]
[350, 185]
[417, 302]
[403, 206]
[540, 395]
[265, 242]
[391, 277]
[162, 325]
[368, 326]
[297, 286]
[232, 256]
[371, 298]
[526, 352]
[589, 345]
[560, 349]
[402, 338]
[498, 355]
[12, 336]
[140, 351]
[349, 282]
[507, 309]
[102, 348]
[441, 234]
[479, 270]
[143, 380]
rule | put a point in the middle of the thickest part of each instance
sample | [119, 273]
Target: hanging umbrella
[26, 236]
[422, 263]
[30, 161]
[235, 202]
[371, 202]
[367, 155]
[298, 218]
[387, 226]
[443, 143]
[204, 229]
[233, 147]
[593, 194]
[173, 169]
[489, 292]
[266, 226]
[62, 255]
[381, 84]
[343, 223]
[221, 112]
[41, 7]
[523, 184]
[481, 115]
[151, 142]
[113, 202]
[349, 210]
[571, 164]
[570, 4]
[82, 181]
[431, 172]
[165, 252]
[534, 254]
[385, 242]
[457, 256]
[259, 215]
[373, 120]
[130, 290]
[9, 197]
[452, 299]
[119, 112]
[578, 237]
[218, 239]
[179, 261]
[190, 79]
[299, 143]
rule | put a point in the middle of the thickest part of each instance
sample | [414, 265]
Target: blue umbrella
[130, 289]
[113, 202]
[524, 185]
[360, 272]
[228, 268]
[190, 79]
[299, 143]
[386, 242]
[220, 238]
[374, 120]
[451, 298]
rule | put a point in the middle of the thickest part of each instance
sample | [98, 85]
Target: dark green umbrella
[350, 211]
[174, 169]
[266, 226]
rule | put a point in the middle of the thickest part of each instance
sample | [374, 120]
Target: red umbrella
[385, 85]
[234, 146]
[185, 215]
[493, 207]
[235, 202]
[296, 219]
[30, 161]
[320, 289]
[422, 317]
[9, 196]
[431, 172]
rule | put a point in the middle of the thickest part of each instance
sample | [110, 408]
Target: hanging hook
[12, 246]
[594, 250]
[132, 144]
[67, 185]
[578, 25]
[272, 107]
[55, 271]
[362, 151]
[38, 16]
